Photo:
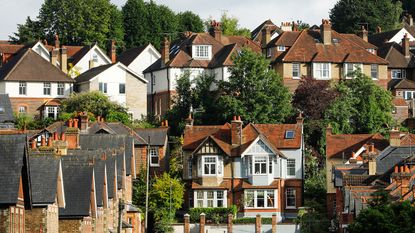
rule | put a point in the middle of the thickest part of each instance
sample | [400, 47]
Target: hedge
[214, 215]
[252, 220]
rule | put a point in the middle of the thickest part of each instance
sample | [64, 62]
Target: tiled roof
[158, 136]
[286, 39]
[256, 34]
[129, 55]
[405, 84]
[392, 52]
[44, 178]
[7, 115]
[10, 48]
[341, 145]
[358, 41]
[11, 166]
[29, 66]
[309, 48]
[399, 102]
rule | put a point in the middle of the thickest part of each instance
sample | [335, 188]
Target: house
[261, 164]
[7, 51]
[15, 195]
[120, 84]
[140, 58]
[6, 113]
[324, 55]
[258, 34]
[35, 87]
[196, 53]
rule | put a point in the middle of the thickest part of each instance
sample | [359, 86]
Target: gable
[259, 148]
[40, 49]
[399, 35]
[208, 147]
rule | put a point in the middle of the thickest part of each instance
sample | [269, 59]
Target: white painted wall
[399, 36]
[113, 77]
[144, 60]
[33, 90]
[42, 51]
[83, 64]
[292, 154]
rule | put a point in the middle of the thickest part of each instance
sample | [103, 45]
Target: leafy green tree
[96, 103]
[189, 21]
[347, 16]
[254, 92]
[139, 189]
[230, 27]
[30, 31]
[361, 107]
[77, 22]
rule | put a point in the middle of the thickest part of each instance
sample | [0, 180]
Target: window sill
[296, 77]
[322, 79]
[211, 175]
[154, 165]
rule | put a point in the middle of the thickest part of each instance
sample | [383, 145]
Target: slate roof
[27, 65]
[158, 136]
[256, 34]
[7, 115]
[379, 39]
[77, 177]
[130, 55]
[391, 156]
[12, 159]
[392, 52]
[44, 178]
[92, 73]
[110, 162]
[99, 169]
[405, 84]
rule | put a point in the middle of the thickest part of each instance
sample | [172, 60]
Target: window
[154, 157]
[260, 165]
[46, 88]
[296, 70]
[209, 165]
[202, 51]
[398, 74]
[103, 87]
[281, 48]
[409, 95]
[61, 88]
[321, 70]
[210, 198]
[121, 88]
[22, 110]
[269, 52]
[350, 68]
[290, 167]
[95, 58]
[290, 197]
[51, 112]
[289, 134]
[22, 88]
[260, 198]
[374, 71]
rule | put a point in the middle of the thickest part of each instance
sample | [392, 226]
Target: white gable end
[95, 54]
[40, 49]
[397, 38]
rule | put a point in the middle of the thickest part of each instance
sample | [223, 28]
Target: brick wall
[33, 105]
[46, 219]
[69, 225]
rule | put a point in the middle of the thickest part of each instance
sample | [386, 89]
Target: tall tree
[254, 91]
[230, 27]
[77, 22]
[347, 16]
[189, 21]
[30, 31]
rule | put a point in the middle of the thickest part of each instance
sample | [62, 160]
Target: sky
[250, 13]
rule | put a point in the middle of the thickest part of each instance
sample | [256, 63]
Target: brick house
[15, 195]
[323, 54]
[196, 53]
[258, 168]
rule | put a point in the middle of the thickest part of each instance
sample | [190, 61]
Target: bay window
[211, 165]
[290, 198]
[321, 70]
[210, 198]
[260, 198]
[260, 165]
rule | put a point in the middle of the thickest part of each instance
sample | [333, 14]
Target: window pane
[249, 198]
[290, 195]
[210, 194]
[260, 202]
[122, 88]
[291, 167]
[199, 194]
[270, 198]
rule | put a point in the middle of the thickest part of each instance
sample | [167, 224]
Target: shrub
[215, 215]
[252, 220]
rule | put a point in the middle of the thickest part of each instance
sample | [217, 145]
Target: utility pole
[147, 182]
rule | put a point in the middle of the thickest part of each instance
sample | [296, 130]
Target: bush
[252, 220]
[215, 215]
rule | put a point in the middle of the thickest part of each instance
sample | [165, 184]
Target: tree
[254, 92]
[361, 107]
[189, 21]
[96, 103]
[230, 27]
[347, 16]
[77, 22]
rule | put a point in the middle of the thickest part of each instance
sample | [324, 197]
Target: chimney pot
[98, 118]
[396, 169]
[63, 138]
[166, 123]
[70, 123]
[239, 118]
[50, 140]
[75, 121]
[401, 170]
[378, 29]
[55, 136]
[33, 144]
[43, 141]
[57, 43]
[215, 30]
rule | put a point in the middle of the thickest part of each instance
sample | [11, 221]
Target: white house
[140, 58]
[119, 83]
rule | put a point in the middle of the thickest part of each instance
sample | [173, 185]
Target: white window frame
[153, 152]
[280, 48]
[319, 69]
[374, 68]
[201, 199]
[398, 72]
[290, 191]
[47, 88]
[51, 109]
[189, 167]
[61, 89]
[217, 165]
[291, 166]
[103, 87]
[22, 88]
[372, 51]
[22, 109]
[261, 161]
[349, 68]
[202, 52]
[119, 89]
[410, 94]
[296, 70]
[255, 198]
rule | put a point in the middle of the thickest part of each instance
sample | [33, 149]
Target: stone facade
[44, 220]
[136, 96]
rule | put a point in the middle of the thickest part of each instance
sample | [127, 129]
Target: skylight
[289, 134]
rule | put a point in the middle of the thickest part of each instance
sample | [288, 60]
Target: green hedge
[214, 215]
[252, 220]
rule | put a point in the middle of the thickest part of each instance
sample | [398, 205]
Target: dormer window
[281, 48]
[202, 52]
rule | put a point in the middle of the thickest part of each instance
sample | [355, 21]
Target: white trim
[156, 155]
[329, 71]
[356, 66]
[286, 199]
[218, 165]
[205, 199]
[245, 152]
[255, 199]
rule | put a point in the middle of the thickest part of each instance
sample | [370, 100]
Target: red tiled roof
[408, 139]
[10, 48]
[399, 102]
[344, 144]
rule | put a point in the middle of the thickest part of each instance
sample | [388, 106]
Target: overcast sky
[250, 13]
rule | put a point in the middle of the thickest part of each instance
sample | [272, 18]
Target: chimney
[236, 131]
[113, 52]
[55, 136]
[33, 144]
[64, 59]
[165, 51]
[54, 57]
[295, 27]
[43, 141]
[50, 140]
[394, 138]
[325, 31]
[57, 43]
[85, 121]
[72, 135]
[372, 164]
[215, 30]
[378, 29]
[329, 130]
[266, 36]
[405, 46]
[75, 123]
[300, 119]
[286, 26]
[189, 121]
[363, 34]
[410, 20]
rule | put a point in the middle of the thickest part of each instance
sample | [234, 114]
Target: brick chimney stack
[113, 52]
[57, 43]
[266, 36]
[85, 121]
[215, 30]
[54, 56]
[165, 51]
[64, 59]
[72, 134]
[325, 31]
[236, 131]
[378, 29]
[363, 33]
[189, 121]
[286, 26]
[394, 138]
[405, 46]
